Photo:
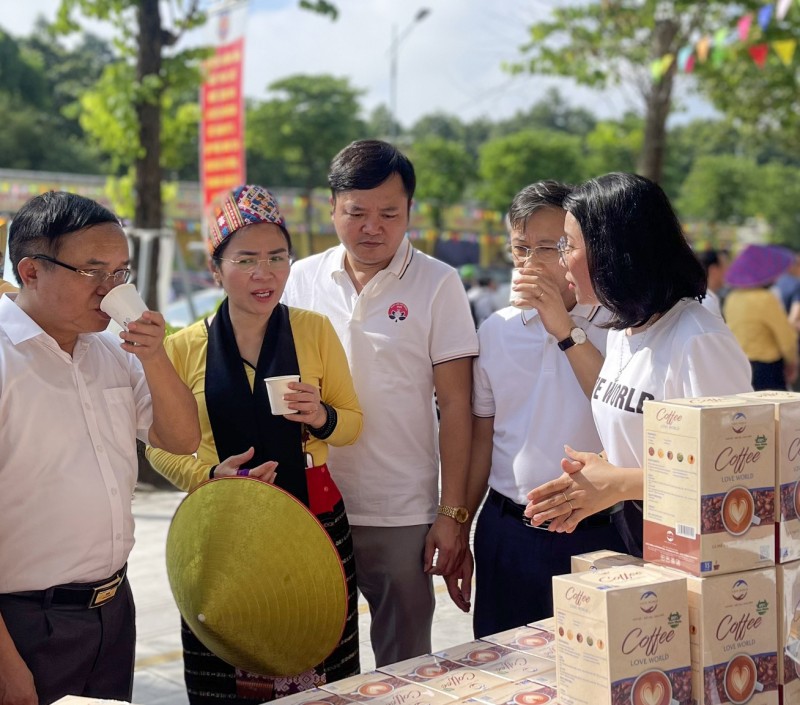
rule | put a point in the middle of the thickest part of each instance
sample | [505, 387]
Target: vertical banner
[222, 156]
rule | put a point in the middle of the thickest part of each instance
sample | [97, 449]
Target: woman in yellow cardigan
[224, 359]
[757, 318]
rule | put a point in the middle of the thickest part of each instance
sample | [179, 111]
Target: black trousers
[768, 375]
[515, 565]
[73, 650]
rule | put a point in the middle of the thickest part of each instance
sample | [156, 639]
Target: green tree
[604, 43]
[149, 67]
[306, 122]
[613, 145]
[444, 168]
[40, 80]
[509, 163]
[380, 124]
[719, 189]
[552, 112]
[442, 125]
[762, 101]
[776, 197]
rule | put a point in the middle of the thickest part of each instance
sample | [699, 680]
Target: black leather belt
[516, 511]
[89, 595]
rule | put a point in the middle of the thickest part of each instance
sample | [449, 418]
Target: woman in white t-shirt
[625, 249]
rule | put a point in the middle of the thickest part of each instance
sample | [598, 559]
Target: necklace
[632, 355]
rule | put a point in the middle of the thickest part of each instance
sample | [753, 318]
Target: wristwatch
[460, 514]
[577, 336]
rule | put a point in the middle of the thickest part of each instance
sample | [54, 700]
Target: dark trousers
[73, 650]
[515, 564]
[768, 375]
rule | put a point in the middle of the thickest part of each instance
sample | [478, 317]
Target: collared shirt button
[113, 492]
[118, 537]
[99, 448]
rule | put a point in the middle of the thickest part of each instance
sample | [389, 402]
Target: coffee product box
[520, 664]
[604, 558]
[524, 692]
[414, 694]
[709, 484]
[467, 682]
[788, 576]
[315, 696]
[622, 637]
[733, 625]
[533, 641]
[475, 654]
[365, 686]
[421, 669]
[548, 624]
[787, 471]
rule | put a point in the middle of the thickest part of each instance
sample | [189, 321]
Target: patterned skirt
[212, 681]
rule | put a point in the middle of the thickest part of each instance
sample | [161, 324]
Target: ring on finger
[564, 495]
[571, 508]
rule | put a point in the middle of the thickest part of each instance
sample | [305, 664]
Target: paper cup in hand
[514, 297]
[123, 304]
[276, 388]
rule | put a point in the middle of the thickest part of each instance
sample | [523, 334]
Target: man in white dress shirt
[538, 363]
[73, 400]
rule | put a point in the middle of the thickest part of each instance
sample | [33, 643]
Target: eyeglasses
[543, 253]
[564, 249]
[96, 276]
[248, 265]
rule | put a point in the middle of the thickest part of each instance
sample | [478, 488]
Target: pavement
[158, 675]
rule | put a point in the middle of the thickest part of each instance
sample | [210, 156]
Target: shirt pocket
[122, 418]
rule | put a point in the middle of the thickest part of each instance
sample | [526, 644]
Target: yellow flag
[703, 46]
[785, 48]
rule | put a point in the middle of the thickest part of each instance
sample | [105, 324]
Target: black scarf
[241, 418]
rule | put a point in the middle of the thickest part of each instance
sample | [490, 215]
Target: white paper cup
[276, 388]
[123, 304]
[513, 295]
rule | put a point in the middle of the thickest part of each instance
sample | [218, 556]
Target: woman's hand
[589, 484]
[306, 400]
[232, 466]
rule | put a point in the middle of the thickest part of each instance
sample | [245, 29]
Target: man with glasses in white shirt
[538, 362]
[73, 400]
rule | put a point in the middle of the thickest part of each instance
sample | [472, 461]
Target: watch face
[578, 335]
[461, 515]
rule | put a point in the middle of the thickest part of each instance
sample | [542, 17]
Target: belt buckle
[104, 593]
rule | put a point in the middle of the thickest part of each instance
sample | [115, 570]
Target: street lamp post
[397, 39]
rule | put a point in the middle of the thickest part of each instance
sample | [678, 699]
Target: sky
[450, 62]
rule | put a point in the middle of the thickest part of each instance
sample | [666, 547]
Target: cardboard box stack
[710, 487]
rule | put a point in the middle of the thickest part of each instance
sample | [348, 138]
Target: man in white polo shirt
[538, 363]
[405, 323]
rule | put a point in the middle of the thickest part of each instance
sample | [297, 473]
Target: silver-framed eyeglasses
[542, 253]
[564, 249]
[248, 265]
[96, 276]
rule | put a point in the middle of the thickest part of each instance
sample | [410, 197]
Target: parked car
[178, 315]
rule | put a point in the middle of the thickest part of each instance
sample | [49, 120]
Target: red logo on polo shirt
[398, 311]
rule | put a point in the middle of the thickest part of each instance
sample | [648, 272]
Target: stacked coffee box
[516, 667]
[720, 508]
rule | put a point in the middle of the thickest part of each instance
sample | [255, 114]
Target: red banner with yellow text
[222, 157]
